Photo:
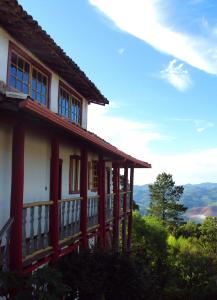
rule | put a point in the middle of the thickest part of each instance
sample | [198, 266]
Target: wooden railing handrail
[92, 197]
[38, 203]
[70, 199]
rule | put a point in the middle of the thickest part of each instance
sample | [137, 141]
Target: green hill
[195, 195]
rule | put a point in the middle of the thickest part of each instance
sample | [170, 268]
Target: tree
[164, 203]
[209, 234]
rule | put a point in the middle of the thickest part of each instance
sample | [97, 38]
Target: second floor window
[26, 78]
[69, 106]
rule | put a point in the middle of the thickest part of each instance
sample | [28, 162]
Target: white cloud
[146, 19]
[200, 125]
[134, 138]
[121, 51]
[176, 75]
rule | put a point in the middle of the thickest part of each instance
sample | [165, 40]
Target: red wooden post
[102, 202]
[116, 210]
[17, 187]
[83, 193]
[130, 220]
[54, 196]
[124, 223]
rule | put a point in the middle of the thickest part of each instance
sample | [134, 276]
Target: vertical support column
[83, 192]
[54, 196]
[130, 220]
[124, 223]
[17, 188]
[102, 202]
[116, 211]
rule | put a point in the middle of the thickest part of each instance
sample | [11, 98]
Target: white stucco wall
[36, 168]
[4, 42]
[84, 113]
[54, 88]
[5, 172]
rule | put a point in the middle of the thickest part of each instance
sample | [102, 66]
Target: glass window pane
[13, 70]
[20, 75]
[19, 86]
[12, 81]
[25, 89]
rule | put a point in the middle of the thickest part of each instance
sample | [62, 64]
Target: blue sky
[156, 61]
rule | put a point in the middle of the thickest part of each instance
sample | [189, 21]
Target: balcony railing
[109, 206]
[93, 211]
[35, 227]
[69, 217]
[4, 245]
[36, 223]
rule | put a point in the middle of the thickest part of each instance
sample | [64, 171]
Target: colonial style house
[59, 183]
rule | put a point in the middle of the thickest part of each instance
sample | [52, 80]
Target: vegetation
[164, 264]
[165, 197]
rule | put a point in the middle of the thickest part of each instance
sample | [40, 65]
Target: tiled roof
[75, 130]
[29, 33]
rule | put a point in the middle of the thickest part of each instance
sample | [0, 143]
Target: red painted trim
[17, 188]
[102, 202]
[130, 218]
[116, 208]
[54, 193]
[33, 267]
[83, 193]
[124, 222]
[77, 131]
[69, 249]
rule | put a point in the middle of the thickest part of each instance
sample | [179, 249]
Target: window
[64, 103]
[39, 86]
[74, 174]
[69, 106]
[95, 174]
[19, 73]
[25, 77]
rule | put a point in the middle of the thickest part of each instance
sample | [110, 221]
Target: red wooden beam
[130, 219]
[116, 209]
[17, 187]
[54, 196]
[124, 223]
[83, 192]
[102, 202]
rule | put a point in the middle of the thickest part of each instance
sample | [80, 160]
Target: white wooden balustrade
[109, 206]
[35, 231]
[69, 217]
[92, 211]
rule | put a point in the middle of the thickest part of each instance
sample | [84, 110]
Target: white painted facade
[37, 147]
[54, 81]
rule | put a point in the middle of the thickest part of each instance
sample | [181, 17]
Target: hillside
[195, 196]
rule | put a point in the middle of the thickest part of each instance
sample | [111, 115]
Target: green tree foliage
[209, 235]
[189, 229]
[165, 197]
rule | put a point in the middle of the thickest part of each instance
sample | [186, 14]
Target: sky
[156, 61]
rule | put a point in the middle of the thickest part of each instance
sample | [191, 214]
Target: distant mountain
[201, 195]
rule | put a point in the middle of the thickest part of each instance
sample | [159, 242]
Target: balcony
[36, 225]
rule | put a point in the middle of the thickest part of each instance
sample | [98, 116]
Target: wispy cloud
[176, 75]
[135, 138]
[121, 51]
[150, 22]
[200, 125]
